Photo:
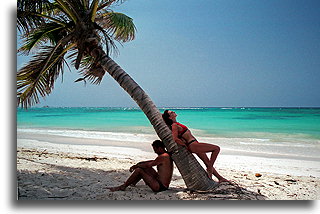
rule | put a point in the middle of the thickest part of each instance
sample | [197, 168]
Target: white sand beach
[78, 171]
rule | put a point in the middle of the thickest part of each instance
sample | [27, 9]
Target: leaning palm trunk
[79, 27]
[194, 176]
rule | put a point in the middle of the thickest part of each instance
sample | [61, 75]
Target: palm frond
[34, 5]
[27, 21]
[90, 68]
[107, 3]
[68, 10]
[94, 73]
[26, 13]
[119, 25]
[107, 40]
[86, 4]
[41, 35]
[93, 10]
[38, 76]
[75, 26]
[80, 9]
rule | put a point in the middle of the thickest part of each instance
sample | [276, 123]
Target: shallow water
[273, 132]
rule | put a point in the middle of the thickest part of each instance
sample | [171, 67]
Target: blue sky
[212, 53]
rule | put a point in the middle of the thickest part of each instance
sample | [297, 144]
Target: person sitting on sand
[157, 181]
[183, 136]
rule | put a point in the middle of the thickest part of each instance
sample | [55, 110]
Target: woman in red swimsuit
[183, 136]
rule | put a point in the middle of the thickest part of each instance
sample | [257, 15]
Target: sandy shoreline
[52, 171]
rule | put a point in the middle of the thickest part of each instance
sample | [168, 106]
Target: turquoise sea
[281, 132]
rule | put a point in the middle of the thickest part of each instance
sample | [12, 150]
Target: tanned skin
[157, 180]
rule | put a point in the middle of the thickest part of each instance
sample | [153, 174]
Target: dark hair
[167, 120]
[158, 143]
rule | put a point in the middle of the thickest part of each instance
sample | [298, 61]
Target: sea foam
[112, 136]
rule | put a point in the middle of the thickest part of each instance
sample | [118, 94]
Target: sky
[209, 53]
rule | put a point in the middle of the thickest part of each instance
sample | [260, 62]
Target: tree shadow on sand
[56, 182]
[230, 191]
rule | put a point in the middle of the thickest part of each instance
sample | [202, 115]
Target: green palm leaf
[51, 28]
[106, 3]
[28, 13]
[118, 25]
[38, 76]
[45, 33]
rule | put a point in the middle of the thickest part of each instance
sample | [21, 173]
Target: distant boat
[45, 107]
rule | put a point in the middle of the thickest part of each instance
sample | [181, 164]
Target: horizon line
[168, 107]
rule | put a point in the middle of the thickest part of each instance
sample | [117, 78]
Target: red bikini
[184, 129]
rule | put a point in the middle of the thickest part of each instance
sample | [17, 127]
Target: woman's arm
[175, 135]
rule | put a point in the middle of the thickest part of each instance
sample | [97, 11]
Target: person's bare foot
[223, 180]
[118, 188]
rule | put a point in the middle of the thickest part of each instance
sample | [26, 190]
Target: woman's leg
[206, 161]
[214, 154]
[201, 148]
[217, 175]
[205, 147]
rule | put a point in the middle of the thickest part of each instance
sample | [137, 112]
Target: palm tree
[76, 29]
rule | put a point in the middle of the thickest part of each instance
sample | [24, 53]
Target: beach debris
[291, 180]
[258, 175]
[43, 152]
[276, 182]
[91, 159]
